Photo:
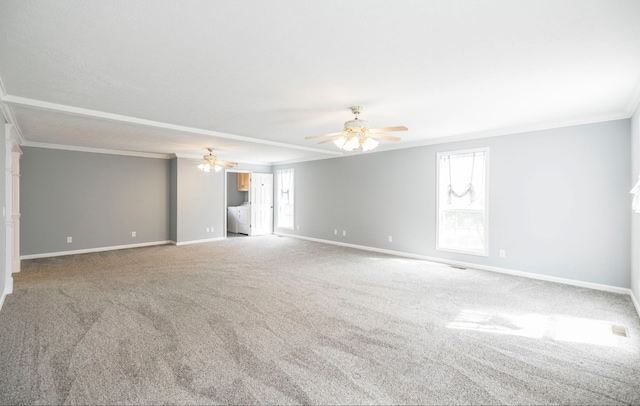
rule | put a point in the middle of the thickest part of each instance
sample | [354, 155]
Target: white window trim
[486, 205]
[293, 209]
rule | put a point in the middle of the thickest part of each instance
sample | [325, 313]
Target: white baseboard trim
[589, 285]
[197, 241]
[634, 299]
[574, 282]
[91, 250]
[7, 291]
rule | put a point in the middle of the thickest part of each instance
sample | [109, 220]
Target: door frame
[226, 202]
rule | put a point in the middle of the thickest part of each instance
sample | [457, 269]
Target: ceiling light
[368, 144]
[357, 134]
[207, 165]
[211, 163]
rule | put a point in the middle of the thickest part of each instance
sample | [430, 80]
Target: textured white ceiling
[180, 76]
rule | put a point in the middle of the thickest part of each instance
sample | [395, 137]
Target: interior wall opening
[237, 207]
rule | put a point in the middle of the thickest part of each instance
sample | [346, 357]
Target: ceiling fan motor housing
[356, 126]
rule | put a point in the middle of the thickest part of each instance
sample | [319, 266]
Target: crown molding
[187, 156]
[199, 158]
[509, 131]
[318, 158]
[96, 150]
[81, 112]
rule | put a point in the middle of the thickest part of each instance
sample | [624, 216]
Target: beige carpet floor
[274, 320]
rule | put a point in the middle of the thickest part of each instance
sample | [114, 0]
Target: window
[285, 198]
[462, 201]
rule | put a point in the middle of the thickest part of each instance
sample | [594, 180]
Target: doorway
[237, 206]
[248, 203]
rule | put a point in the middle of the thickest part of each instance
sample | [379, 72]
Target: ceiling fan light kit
[355, 141]
[357, 135]
[208, 165]
[211, 163]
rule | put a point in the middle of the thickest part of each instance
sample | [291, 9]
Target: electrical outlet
[503, 253]
[390, 239]
[69, 240]
[206, 230]
[133, 233]
[212, 229]
[298, 226]
[335, 232]
[344, 233]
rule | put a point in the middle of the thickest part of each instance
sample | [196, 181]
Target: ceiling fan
[357, 134]
[210, 162]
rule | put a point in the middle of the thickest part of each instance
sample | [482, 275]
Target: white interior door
[261, 197]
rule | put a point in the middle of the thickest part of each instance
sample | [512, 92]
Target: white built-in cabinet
[238, 219]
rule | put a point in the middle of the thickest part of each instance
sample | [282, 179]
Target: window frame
[439, 155]
[292, 198]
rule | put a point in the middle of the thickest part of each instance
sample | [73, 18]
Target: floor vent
[619, 330]
[457, 266]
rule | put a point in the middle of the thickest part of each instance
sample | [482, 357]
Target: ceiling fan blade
[320, 136]
[227, 164]
[331, 139]
[385, 137]
[388, 129]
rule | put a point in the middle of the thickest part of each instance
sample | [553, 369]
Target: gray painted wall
[558, 201]
[635, 223]
[173, 200]
[254, 168]
[98, 199]
[200, 202]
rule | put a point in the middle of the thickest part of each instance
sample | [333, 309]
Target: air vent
[619, 330]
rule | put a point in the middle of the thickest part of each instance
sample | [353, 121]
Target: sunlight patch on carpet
[560, 328]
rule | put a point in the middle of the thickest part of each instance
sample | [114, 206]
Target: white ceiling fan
[357, 134]
[210, 162]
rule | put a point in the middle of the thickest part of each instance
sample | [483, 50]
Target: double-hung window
[463, 201]
[285, 198]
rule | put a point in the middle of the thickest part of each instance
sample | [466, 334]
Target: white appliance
[238, 219]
